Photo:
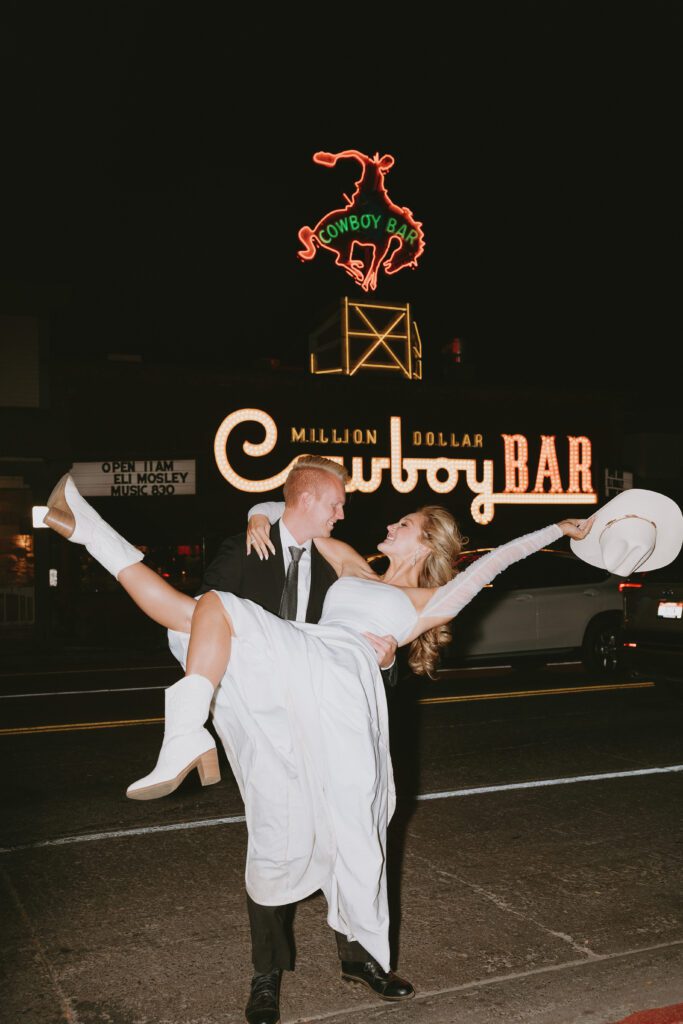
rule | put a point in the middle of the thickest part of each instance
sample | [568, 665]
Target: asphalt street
[535, 858]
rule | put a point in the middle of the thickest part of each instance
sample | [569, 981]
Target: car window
[567, 571]
[542, 569]
[535, 571]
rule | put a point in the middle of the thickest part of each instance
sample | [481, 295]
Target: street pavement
[552, 903]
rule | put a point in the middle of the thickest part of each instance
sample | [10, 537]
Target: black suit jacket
[263, 581]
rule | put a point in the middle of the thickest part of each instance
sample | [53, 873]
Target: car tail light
[629, 586]
[630, 645]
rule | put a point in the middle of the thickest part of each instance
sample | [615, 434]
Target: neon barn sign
[369, 233]
[442, 474]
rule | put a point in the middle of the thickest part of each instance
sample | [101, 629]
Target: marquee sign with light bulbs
[526, 482]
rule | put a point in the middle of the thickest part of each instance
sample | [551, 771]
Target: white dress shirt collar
[288, 541]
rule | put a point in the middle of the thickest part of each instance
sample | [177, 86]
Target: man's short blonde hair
[307, 475]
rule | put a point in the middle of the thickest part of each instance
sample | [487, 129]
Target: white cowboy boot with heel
[187, 744]
[72, 517]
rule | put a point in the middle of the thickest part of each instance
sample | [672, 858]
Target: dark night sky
[157, 165]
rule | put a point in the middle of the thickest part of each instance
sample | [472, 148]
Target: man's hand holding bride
[385, 649]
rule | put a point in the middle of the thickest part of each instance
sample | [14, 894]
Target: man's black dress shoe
[386, 986]
[264, 1001]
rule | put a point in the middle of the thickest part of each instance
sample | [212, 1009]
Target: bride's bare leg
[157, 598]
[187, 744]
[210, 639]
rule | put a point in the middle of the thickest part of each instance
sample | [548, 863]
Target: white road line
[449, 670]
[81, 671]
[549, 782]
[78, 693]
[92, 837]
[588, 687]
[238, 819]
[155, 668]
[473, 668]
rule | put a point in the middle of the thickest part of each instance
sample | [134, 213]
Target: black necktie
[290, 594]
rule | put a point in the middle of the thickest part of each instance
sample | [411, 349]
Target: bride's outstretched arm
[447, 601]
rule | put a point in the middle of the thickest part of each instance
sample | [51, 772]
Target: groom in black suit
[292, 583]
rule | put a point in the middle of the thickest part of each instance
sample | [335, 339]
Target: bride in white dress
[301, 708]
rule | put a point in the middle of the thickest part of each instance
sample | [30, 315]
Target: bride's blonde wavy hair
[441, 535]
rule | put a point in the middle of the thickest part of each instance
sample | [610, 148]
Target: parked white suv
[547, 607]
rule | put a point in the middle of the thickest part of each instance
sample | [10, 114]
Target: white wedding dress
[302, 714]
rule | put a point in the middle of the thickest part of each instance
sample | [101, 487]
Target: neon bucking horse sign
[369, 233]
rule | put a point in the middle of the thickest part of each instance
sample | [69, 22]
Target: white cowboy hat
[636, 531]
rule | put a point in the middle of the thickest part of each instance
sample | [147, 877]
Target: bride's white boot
[187, 744]
[70, 515]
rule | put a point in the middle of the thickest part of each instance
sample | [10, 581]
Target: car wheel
[602, 650]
